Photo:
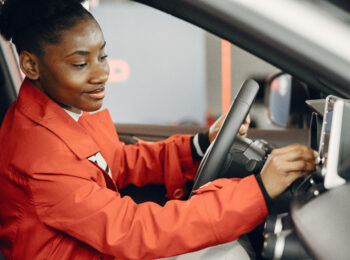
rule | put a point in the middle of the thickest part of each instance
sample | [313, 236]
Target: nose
[99, 73]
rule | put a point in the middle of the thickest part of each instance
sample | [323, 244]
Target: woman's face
[74, 71]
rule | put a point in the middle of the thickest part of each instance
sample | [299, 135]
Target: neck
[67, 107]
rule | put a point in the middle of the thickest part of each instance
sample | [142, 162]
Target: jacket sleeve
[166, 162]
[220, 212]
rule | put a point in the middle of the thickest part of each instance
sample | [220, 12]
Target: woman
[61, 167]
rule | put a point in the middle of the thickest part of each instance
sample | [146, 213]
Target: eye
[79, 66]
[104, 57]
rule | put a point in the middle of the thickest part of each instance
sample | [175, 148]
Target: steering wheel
[214, 158]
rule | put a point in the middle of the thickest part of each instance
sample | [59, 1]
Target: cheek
[71, 82]
[107, 69]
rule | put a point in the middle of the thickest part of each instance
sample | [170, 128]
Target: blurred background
[166, 71]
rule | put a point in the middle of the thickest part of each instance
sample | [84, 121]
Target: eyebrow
[81, 52]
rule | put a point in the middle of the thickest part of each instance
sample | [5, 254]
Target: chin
[92, 108]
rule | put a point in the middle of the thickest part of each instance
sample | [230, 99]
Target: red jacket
[56, 204]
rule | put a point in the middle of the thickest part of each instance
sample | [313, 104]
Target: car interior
[308, 101]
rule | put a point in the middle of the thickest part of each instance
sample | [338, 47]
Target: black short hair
[31, 23]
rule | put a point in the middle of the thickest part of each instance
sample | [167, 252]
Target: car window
[166, 71]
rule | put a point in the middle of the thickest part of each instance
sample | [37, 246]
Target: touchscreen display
[338, 145]
[344, 149]
[326, 128]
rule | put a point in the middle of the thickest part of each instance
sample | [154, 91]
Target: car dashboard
[317, 226]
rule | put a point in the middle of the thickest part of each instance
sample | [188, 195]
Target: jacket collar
[42, 110]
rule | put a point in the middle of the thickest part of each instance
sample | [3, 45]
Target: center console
[318, 221]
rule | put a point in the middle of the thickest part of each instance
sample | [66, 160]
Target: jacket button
[179, 193]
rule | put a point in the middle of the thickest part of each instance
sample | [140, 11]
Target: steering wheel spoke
[215, 155]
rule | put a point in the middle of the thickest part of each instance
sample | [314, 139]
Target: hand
[285, 165]
[243, 130]
[214, 128]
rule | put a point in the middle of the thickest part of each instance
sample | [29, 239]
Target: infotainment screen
[326, 128]
[344, 149]
[337, 143]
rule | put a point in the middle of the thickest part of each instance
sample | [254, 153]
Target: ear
[29, 65]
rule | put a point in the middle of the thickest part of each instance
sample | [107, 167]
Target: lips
[98, 93]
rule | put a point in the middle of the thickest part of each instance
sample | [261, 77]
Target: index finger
[294, 148]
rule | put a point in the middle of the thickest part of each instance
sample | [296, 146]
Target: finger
[296, 153]
[221, 119]
[215, 127]
[297, 156]
[289, 148]
[247, 120]
[292, 176]
[218, 122]
[243, 130]
[298, 166]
